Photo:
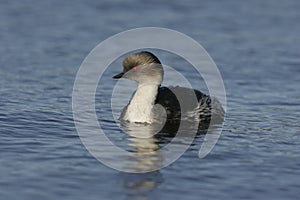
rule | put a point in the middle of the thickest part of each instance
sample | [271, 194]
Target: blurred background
[256, 46]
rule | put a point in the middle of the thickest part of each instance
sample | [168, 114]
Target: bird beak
[118, 75]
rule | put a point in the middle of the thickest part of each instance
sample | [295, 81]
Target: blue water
[256, 45]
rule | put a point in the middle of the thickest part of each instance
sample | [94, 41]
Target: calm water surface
[256, 45]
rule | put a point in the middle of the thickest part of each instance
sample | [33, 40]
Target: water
[256, 47]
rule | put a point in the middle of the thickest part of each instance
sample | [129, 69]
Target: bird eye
[135, 68]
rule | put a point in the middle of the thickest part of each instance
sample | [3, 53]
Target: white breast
[140, 108]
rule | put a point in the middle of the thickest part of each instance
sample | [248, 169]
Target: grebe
[145, 105]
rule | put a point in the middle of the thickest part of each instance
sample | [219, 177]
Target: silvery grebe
[146, 69]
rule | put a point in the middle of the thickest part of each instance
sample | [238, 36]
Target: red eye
[135, 68]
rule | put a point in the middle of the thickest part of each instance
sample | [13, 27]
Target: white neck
[140, 106]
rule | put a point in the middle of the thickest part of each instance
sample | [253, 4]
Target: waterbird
[152, 102]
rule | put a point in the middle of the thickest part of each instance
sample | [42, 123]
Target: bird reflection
[145, 145]
[139, 186]
[145, 141]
